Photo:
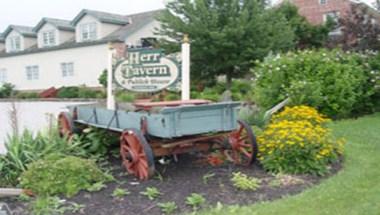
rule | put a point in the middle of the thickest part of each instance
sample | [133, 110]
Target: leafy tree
[227, 36]
[103, 78]
[360, 32]
[306, 34]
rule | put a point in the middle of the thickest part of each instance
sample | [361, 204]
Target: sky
[30, 12]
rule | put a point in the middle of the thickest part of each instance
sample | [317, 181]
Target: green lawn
[353, 191]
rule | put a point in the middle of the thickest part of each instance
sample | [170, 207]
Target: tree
[306, 34]
[360, 30]
[227, 36]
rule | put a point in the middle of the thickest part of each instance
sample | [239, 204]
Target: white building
[58, 53]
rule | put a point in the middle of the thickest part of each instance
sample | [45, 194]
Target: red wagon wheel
[136, 154]
[243, 145]
[65, 124]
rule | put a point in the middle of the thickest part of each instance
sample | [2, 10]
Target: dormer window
[48, 38]
[88, 31]
[15, 43]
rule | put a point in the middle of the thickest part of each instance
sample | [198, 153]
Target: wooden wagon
[154, 130]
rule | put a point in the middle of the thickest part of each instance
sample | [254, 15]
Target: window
[48, 38]
[88, 31]
[32, 73]
[333, 15]
[322, 1]
[15, 44]
[67, 69]
[3, 76]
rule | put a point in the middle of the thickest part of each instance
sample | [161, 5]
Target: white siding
[29, 42]
[84, 20]
[106, 29]
[144, 32]
[65, 36]
[46, 27]
[89, 62]
[13, 34]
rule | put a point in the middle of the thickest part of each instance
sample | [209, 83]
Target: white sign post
[110, 96]
[185, 69]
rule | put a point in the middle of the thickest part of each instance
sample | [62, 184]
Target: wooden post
[185, 68]
[110, 96]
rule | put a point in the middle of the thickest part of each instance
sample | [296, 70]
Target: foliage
[151, 192]
[123, 96]
[359, 32]
[353, 190]
[97, 187]
[58, 174]
[225, 35]
[195, 200]
[243, 182]
[120, 193]
[306, 34]
[167, 207]
[27, 95]
[298, 141]
[172, 97]
[103, 78]
[87, 93]
[26, 148]
[207, 177]
[47, 205]
[68, 92]
[331, 81]
[6, 90]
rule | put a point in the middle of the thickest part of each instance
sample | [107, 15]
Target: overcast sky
[29, 12]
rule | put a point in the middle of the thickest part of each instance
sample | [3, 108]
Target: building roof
[104, 17]
[137, 21]
[61, 24]
[26, 31]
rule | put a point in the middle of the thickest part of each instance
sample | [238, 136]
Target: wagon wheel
[136, 154]
[243, 145]
[65, 124]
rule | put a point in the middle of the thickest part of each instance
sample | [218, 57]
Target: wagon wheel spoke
[136, 154]
[243, 144]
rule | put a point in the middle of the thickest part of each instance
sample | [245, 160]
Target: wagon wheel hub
[243, 145]
[136, 155]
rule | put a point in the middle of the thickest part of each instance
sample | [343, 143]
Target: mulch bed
[178, 181]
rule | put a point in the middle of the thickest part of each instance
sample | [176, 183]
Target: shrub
[27, 148]
[84, 92]
[57, 174]
[68, 92]
[6, 90]
[331, 81]
[125, 96]
[172, 97]
[293, 143]
[27, 95]
[243, 182]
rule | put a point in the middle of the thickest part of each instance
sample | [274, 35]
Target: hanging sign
[147, 70]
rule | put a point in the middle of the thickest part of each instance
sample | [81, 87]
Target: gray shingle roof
[102, 17]
[137, 21]
[26, 31]
[64, 25]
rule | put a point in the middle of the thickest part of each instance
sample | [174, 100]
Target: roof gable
[25, 31]
[64, 25]
[102, 17]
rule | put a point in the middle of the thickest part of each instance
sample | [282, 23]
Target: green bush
[6, 90]
[87, 93]
[57, 174]
[27, 148]
[331, 81]
[125, 96]
[68, 92]
[27, 95]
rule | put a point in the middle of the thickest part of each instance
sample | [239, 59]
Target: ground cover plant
[57, 174]
[298, 141]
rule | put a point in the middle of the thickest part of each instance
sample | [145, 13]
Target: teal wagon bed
[151, 130]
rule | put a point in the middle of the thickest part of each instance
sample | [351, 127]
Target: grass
[353, 191]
